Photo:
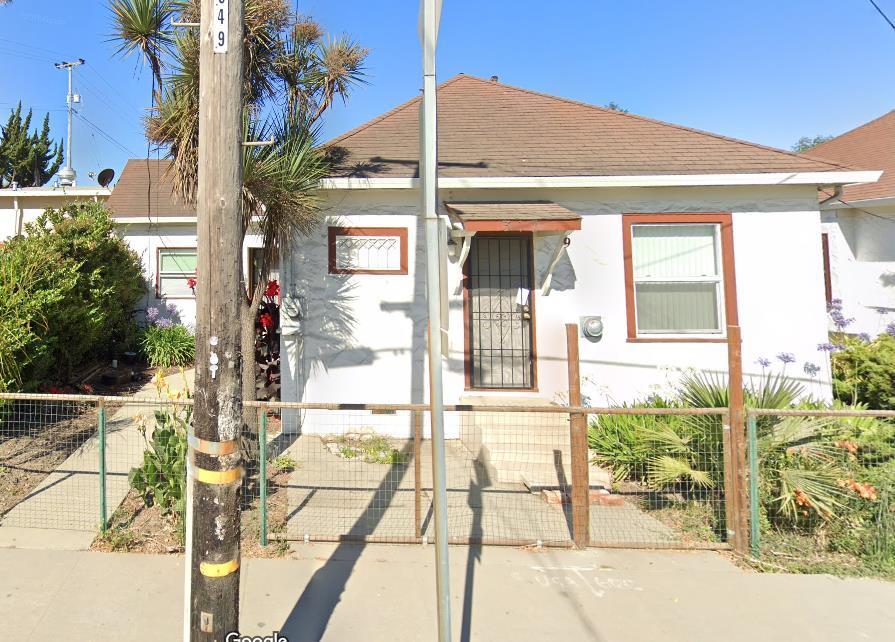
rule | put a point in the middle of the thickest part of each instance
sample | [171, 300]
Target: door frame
[467, 346]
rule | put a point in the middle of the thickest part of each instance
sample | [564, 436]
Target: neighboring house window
[175, 266]
[678, 271]
[828, 277]
[368, 250]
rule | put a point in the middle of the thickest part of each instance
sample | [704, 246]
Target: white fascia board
[658, 180]
[155, 220]
[54, 191]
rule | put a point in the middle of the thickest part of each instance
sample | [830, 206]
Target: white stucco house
[161, 228]
[858, 224]
[554, 211]
[22, 205]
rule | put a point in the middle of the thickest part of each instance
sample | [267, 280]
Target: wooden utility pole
[217, 415]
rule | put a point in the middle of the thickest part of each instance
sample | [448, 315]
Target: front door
[499, 312]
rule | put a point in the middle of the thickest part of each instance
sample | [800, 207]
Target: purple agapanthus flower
[840, 321]
[172, 309]
[882, 311]
[151, 313]
[811, 369]
[164, 322]
[786, 357]
[834, 304]
[826, 347]
[890, 329]
[865, 338]
[763, 362]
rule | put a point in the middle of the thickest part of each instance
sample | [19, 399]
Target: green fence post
[262, 455]
[102, 466]
[754, 525]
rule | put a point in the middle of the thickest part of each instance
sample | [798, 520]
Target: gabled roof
[145, 190]
[487, 128]
[870, 145]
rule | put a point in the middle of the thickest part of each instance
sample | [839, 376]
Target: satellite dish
[105, 177]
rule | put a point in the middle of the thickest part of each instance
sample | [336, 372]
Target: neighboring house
[859, 227]
[20, 206]
[554, 210]
[161, 228]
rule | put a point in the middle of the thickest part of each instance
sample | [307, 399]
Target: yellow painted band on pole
[218, 477]
[218, 570]
[219, 448]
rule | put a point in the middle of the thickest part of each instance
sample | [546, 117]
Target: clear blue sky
[768, 71]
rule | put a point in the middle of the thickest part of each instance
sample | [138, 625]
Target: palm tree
[142, 26]
[292, 76]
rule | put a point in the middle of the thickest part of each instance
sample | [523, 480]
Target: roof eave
[655, 180]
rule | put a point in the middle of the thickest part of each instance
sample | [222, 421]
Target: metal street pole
[217, 413]
[430, 14]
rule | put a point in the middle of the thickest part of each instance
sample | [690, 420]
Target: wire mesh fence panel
[823, 491]
[49, 464]
[657, 480]
[341, 474]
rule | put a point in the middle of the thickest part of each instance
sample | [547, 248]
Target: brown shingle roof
[486, 128]
[145, 190]
[871, 145]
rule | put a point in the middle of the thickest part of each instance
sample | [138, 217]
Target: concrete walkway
[384, 593]
[329, 495]
[63, 510]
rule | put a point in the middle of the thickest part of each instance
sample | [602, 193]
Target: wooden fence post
[578, 439]
[737, 417]
[417, 473]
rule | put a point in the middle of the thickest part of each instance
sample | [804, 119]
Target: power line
[105, 135]
[882, 13]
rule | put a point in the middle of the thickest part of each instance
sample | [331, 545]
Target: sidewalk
[385, 593]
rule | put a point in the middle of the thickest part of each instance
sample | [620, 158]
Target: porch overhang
[524, 216]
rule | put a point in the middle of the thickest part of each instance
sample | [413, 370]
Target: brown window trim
[467, 348]
[828, 277]
[725, 220]
[400, 232]
[158, 274]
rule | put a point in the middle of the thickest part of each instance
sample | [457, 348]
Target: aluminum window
[678, 278]
[175, 266]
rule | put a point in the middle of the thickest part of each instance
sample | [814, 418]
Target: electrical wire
[882, 13]
[99, 130]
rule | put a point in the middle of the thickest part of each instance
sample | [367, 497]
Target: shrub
[69, 288]
[864, 372]
[161, 478]
[168, 345]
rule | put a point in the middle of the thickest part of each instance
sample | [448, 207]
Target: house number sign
[221, 25]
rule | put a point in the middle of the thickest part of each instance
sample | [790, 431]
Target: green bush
[169, 346]
[161, 478]
[68, 290]
[865, 371]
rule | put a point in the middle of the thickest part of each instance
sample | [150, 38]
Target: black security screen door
[499, 308]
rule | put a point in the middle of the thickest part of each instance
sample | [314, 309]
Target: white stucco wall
[862, 265]
[363, 336]
[24, 205]
[146, 240]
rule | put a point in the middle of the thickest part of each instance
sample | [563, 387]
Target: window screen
[175, 267]
[678, 278]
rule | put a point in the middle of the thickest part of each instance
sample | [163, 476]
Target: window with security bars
[368, 250]
[175, 266]
[678, 278]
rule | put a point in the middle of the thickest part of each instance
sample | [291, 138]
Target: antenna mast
[68, 175]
